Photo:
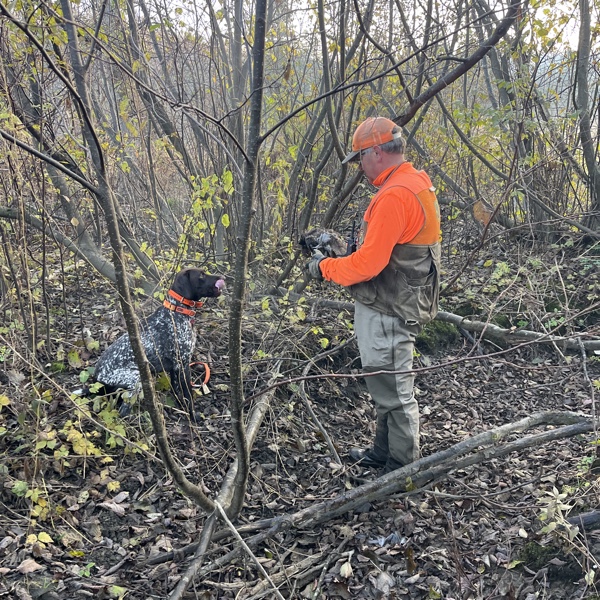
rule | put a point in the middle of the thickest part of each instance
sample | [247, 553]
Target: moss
[467, 309]
[553, 305]
[502, 321]
[436, 335]
[536, 556]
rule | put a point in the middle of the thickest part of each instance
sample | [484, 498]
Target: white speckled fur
[168, 338]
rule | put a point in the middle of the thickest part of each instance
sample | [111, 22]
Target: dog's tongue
[220, 285]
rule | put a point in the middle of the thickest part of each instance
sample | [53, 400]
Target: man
[394, 278]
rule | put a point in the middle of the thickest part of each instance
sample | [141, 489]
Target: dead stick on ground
[334, 555]
[308, 404]
[181, 553]
[249, 552]
[297, 569]
[424, 465]
[201, 550]
[521, 336]
[590, 383]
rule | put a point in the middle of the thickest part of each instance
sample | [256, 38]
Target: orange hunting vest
[408, 287]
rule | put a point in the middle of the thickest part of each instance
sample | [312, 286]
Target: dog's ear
[184, 283]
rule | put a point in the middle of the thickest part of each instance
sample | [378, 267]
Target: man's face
[369, 163]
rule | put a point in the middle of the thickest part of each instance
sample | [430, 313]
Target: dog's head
[194, 284]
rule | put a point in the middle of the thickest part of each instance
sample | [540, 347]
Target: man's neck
[391, 160]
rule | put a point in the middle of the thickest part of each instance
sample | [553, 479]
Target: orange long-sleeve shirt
[394, 216]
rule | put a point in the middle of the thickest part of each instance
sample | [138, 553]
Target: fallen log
[586, 521]
[486, 329]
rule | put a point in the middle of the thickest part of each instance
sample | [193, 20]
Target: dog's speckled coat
[168, 338]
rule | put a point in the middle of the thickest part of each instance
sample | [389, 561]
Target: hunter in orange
[394, 279]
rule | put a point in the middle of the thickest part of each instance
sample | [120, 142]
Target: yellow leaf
[113, 486]
[44, 537]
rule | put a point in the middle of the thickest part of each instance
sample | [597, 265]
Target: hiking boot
[366, 458]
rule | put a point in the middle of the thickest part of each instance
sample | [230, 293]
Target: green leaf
[19, 488]
[95, 387]
[117, 591]
[227, 179]
[74, 359]
[434, 594]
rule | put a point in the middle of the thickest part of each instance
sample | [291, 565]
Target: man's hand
[312, 266]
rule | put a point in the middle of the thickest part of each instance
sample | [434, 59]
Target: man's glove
[312, 266]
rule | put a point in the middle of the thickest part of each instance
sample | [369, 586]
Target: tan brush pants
[387, 343]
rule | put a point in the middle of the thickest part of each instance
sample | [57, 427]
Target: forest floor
[84, 516]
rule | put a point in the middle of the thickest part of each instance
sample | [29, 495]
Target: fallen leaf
[118, 509]
[346, 570]
[385, 582]
[29, 566]
[120, 497]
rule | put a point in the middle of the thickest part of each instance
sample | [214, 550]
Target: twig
[308, 404]
[115, 568]
[556, 348]
[199, 555]
[239, 538]
[533, 337]
[181, 553]
[285, 574]
[330, 557]
[589, 381]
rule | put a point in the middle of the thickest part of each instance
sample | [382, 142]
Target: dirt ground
[86, 524]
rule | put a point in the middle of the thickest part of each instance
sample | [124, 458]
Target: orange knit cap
[373, 131]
